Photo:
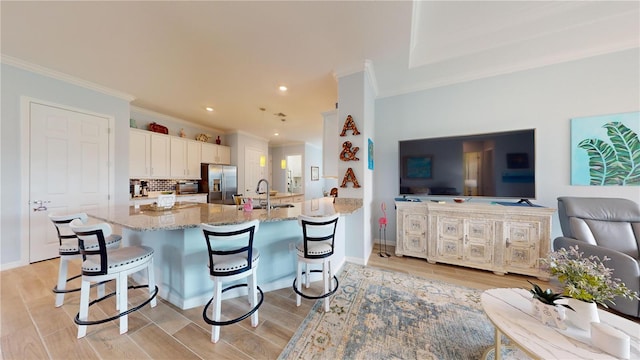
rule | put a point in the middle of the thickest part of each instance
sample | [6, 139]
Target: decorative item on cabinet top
[158, 128]
[203, 137]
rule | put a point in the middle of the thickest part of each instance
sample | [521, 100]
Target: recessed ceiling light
[282, 88]
[276, 134]
[209, 108]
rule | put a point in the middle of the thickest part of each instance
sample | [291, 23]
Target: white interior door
[69, 170]
[253, 171]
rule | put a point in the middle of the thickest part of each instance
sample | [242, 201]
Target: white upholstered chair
[100, 265]
[69, 250]
[317, 247]
[231, 257]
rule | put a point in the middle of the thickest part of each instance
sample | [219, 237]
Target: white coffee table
[510, 312]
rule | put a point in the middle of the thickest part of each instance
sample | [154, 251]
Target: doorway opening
[295, 178]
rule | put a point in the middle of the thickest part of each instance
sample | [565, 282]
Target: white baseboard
[13, 265]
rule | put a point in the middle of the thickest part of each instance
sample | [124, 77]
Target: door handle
[41, 206]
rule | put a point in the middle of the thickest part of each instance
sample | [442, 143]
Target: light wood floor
[32, 328]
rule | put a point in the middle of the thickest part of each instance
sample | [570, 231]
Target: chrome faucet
[258, 192]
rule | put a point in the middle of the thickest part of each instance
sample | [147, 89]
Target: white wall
[544, 98]
[17, 82]
[239, 141]
[144, 117]
[312, 157]
[277, 153]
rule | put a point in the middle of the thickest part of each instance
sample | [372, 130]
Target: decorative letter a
[349, 124]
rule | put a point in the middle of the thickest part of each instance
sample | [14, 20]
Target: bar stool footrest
[238, 319]
[56, 291]
[331, 292]
[129, 311]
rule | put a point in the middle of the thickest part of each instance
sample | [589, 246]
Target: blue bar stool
[317, 247]
[232, 257]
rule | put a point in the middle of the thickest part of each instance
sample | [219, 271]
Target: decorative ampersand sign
[348, 152]
[349, 124]
[349, 176]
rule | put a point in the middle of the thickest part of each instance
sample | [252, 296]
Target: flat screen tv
[498, 165]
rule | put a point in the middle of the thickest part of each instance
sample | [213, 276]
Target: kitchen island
[180, 257]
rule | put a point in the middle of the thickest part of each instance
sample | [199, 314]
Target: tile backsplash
[162, 184]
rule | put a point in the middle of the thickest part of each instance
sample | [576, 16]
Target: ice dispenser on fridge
[220, 182]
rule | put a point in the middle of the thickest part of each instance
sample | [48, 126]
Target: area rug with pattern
[380, 314]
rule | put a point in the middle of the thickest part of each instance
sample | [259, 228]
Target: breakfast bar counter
[180, 257]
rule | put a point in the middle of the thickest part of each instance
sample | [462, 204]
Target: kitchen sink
[275, 206]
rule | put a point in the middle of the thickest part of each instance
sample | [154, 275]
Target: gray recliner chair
[605, 227]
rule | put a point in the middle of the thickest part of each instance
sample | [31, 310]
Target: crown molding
[504, 70]
[367, 67]
[41, 70]
[371, 75]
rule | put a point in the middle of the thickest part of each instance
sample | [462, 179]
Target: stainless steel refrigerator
[220, 182]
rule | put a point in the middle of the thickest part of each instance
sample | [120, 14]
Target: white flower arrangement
[586, 278]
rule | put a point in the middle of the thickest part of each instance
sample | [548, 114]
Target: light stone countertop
[283, 195]
[190, 215]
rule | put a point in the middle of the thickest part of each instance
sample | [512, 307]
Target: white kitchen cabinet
[194, 153]
[139, 154]
[224, 154]
[198, 198]
[330, 144]
[209, 153]
[160, 160]
[502, 239]
[185, 158]
[178, 157]
[216, 154]
[160, 156]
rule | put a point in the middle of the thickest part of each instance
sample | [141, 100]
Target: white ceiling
[178, 57]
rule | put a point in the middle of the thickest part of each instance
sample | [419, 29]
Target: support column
[356, 97]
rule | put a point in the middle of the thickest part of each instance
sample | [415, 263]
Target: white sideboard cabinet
[502, 239]
[412, 231]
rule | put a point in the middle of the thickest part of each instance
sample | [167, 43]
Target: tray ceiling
[176, 58]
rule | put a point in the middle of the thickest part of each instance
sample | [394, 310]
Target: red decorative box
[158, 128]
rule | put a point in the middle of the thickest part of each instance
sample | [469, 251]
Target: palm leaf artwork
[617, 163]
[627, 146]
